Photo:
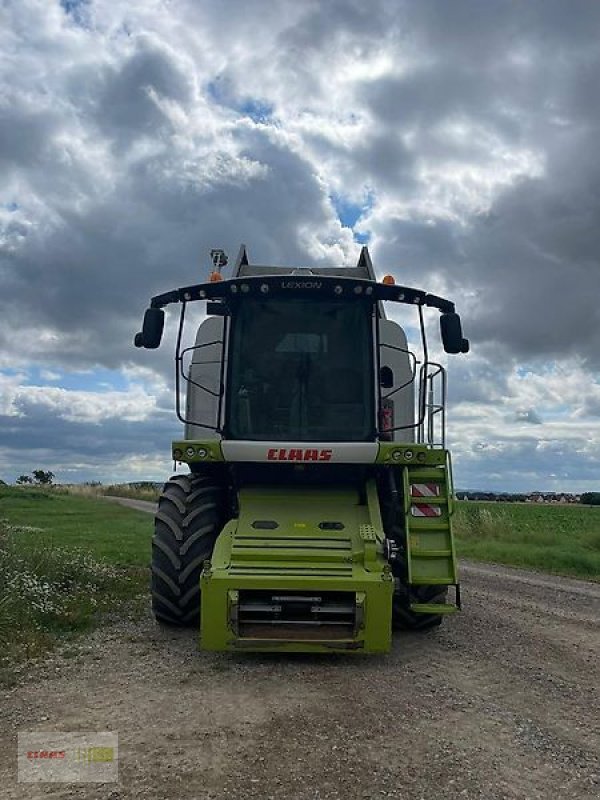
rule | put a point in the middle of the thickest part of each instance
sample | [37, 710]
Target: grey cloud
[477, 381]
[44, 439]
[96, 270]
[534, 263]
[527, 465]
[25, 134]
[125, 108]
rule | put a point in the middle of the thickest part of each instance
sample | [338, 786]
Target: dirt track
[501, 702]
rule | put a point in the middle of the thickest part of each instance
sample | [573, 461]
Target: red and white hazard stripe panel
[422, 510]
[425, 490]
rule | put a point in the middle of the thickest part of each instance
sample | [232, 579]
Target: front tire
[189, 518]
[404, 619]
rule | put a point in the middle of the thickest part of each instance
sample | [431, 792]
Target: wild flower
[42, 581]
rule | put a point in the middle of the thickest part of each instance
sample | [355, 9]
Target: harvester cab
[316, 513]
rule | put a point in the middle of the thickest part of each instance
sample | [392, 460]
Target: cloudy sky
[458, 139]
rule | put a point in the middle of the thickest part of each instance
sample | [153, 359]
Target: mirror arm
[445, 306]
[162, 300]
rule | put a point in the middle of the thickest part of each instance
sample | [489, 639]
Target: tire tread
[190, 515]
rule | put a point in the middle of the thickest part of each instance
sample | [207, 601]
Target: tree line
[591, 498]
[41, 477]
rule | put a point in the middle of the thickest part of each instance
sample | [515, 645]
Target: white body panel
[205, 370]
[400, 364]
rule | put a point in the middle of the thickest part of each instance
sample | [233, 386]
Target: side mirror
[451, 330]
[152, 329]
[386, 378]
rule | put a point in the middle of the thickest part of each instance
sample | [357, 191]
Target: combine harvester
[317, 511]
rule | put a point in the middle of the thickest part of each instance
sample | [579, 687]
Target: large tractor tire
[403, 618]
[191, 513]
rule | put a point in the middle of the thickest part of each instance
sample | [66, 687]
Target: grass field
[65, 563]
[561, 539]
[106, 530]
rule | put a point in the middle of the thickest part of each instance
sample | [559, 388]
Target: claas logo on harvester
[297, 454]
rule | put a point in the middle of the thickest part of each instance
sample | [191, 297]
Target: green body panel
[197, 451]
[202, 451]
[417, 455]
[300, 556]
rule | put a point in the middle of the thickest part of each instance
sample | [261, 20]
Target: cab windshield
[301, 371]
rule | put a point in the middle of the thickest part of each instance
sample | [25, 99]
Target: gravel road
[501, 702]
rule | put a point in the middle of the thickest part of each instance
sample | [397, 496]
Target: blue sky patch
[349, 213]
[75, 9]
[258, 111]
[97, 380]
[72, 6]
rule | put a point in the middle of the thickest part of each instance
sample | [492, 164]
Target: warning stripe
[425, 490]
[422, 510]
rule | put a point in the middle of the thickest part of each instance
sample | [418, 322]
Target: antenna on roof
[219, 260]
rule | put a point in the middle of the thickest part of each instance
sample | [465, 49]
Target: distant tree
[43, 477]
[591, 498]
[22, 479]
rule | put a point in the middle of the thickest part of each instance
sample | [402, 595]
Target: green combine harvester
[316, 514]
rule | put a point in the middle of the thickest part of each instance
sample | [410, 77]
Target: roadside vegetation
[65, 563]
[140, 490]
[143, 490]
[559, 539]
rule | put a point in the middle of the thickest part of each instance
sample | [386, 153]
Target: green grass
[65, 563]
[106, 530]
[563, 540]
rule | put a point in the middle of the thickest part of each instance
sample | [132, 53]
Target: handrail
[431, 407]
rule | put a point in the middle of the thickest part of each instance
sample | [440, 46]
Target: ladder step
[425, 524]
[433, 608]
[430, 553]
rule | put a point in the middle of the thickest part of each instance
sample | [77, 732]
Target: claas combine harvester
[316, 514]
